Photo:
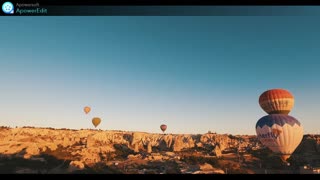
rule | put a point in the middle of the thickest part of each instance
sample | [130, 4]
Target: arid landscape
[87, 151]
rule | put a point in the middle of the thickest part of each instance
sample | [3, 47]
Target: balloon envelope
[87, 109]
[276, 101]
[281, 133]
[96, 121]
[163, 127]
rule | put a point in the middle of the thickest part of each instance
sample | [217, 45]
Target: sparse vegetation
[100, 168]
[122, 151]
[4, 127]
[199, 159]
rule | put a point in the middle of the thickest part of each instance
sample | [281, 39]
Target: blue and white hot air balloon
[281, 133]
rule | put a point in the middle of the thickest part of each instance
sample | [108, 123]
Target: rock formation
[88, 147]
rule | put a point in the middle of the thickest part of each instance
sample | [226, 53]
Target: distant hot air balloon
[87, 109]
[276, 101]
[163, 127]
[281, 133]
[96, 121]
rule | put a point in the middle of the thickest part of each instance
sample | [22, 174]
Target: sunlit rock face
[77, 150]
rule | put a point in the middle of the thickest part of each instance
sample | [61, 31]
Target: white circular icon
[7, 8]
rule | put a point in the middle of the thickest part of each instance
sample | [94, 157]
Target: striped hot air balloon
[276, 101]
[281, 133]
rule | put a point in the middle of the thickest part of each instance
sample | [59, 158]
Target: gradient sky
[194, 74]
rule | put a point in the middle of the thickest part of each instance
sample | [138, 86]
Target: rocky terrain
[61, 151]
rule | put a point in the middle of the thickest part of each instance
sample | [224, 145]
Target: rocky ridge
[85, 148]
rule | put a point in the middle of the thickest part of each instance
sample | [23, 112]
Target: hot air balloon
[163, 127]
[96, 121]
[276, 101]
[87, 109]
[281, 133]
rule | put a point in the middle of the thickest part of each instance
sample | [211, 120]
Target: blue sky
[194, 74]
